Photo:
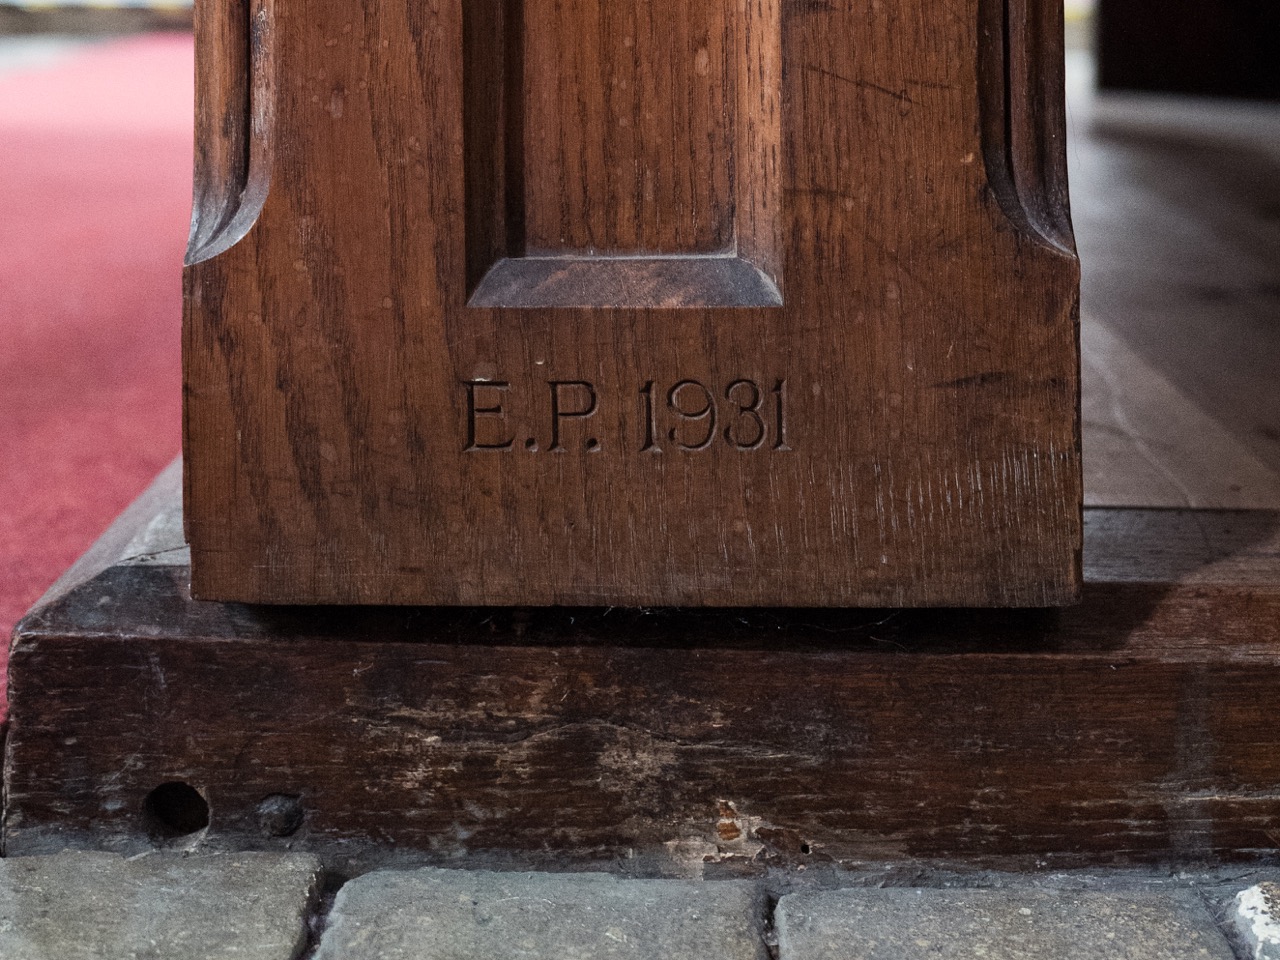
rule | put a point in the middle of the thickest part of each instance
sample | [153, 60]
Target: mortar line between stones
[318, 912]
[768, 932]
[1221, 911]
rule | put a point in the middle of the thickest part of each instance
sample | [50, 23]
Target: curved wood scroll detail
[602, 175]
[235, 112]
[1022, 90]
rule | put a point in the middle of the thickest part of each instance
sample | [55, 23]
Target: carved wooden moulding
[717, 302]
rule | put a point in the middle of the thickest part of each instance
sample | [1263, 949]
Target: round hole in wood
[174, 810]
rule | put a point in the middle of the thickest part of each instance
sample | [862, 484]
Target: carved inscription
[687, 416]
[693, 416]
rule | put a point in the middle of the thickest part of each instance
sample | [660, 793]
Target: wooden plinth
[1137, 726]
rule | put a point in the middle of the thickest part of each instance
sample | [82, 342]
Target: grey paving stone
[76, 906]
[901, 924]
[1256, 918]
[473, 915]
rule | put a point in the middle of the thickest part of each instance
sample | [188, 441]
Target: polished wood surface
[714, 304]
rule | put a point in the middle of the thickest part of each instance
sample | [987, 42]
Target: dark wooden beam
[1224, 48]
[1135, 727]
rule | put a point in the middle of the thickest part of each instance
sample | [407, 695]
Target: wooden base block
[1137, 726]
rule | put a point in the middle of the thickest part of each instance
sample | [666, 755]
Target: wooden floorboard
[1176, 206]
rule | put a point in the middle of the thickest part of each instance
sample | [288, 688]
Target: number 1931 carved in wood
[711, 302]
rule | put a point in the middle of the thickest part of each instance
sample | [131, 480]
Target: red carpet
[95, 194]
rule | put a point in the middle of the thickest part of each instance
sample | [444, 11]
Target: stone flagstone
[1256, 919]
[434, 914]
[913, 924]
[77, 906]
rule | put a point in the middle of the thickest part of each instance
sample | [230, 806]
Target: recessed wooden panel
[773, 306]
[622, 154]
[629, 126]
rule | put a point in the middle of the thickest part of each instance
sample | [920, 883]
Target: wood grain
[461, 335]
[623, 152]
[1136, 726]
